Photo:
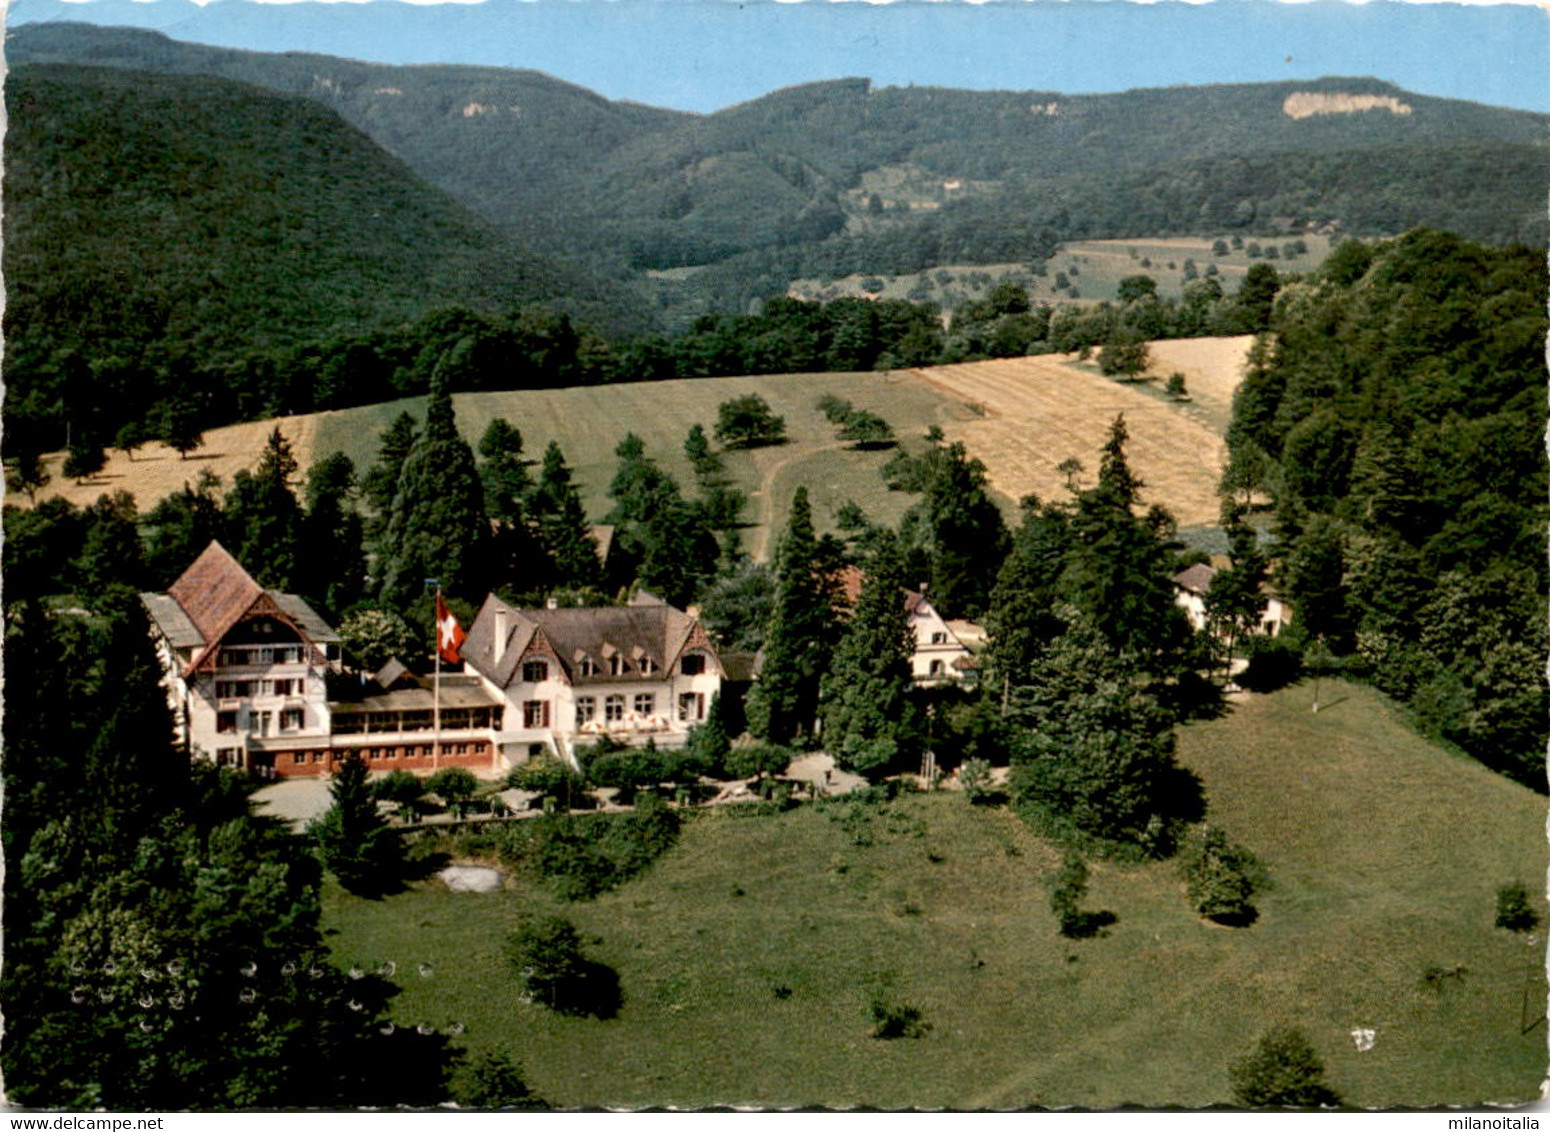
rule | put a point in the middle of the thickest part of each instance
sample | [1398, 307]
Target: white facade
[940, 654]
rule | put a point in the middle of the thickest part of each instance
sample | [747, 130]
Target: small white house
[1190, 589]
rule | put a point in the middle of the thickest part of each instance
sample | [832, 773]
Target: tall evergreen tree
[380, 482]
[437, 526]
[869, 720]
[561, 520]
[353, 840]
[968, 535]
[1022, 619]
[666, 537]
[1236, 599]
[783, 704]
[263, 518]
[507, 482]
[332, 536]
[180, 526]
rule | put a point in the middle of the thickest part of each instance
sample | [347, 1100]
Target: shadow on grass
[1087, 925]
[1245, 917]
[593, 991]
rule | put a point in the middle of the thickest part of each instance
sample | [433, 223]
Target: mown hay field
[1021, 416]
[748, 956]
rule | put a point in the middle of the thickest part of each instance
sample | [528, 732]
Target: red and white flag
[449, 634]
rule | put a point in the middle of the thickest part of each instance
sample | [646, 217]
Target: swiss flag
[449, 634]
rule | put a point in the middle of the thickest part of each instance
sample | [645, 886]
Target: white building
[633, 672]
[942, 648]
[1190, 589]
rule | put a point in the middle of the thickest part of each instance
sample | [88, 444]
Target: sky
[702, 55]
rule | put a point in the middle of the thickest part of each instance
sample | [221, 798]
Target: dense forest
[1394, 416]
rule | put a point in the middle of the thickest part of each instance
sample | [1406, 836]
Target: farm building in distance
[1190, 589]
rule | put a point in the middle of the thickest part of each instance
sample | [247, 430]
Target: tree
[1282, 1071]
[869, 719]
[1236, 600]
[756, 760]
[353, 841]
[748, 422]
[1135, 287]
[27, 473]
[493, 1080]
[180, 425]
[110, 548]
[437, 527]
[547, 956]
[132, 435]
[1513, 910]
[1256, 297]
[507, 483]
[178, 528]
[1221, 877]
[666, 537]
[709, 742]
[263, 518]
[380, 483]
[1126, 353]
[372, 636]
[84, 459]
[968, 537]
[455, 786]
[562, 525]
[737, 606]
[332, 569]
[1094, 754]
[784, 702]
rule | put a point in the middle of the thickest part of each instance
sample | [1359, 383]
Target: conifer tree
[666, 537]
[437, 527]
[380, 483]
[968, 535]
[1021, 620]
[353, 840]
[507, 483]
[869, 720]
[333, 568]
[263, 517]
[1236, 599]
[783, 704]
[179, 528]
[562, 524]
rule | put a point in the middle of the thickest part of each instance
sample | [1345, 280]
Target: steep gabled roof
[215, 592]
[1197, 579]
[658, 632]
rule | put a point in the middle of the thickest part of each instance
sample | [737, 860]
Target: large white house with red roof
[255, 681]
[942, 651]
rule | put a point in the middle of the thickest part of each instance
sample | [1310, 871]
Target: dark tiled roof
[1197, 579]
[169, 618]
[658, 632]
[739, 666]
[313, 627]
[215, 592]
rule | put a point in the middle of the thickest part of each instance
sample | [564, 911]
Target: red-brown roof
[214, 592]
[849, 580]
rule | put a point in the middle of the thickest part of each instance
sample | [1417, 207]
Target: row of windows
[261, 722]
[244, 689]
[257, 655]
[691, 708]
[536, 671]
[452, 719]
[379, 754]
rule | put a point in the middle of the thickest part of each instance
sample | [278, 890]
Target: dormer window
[535, 671]
[588, 667]
[693, 664]
[616, 665]
[647, 666]
[938, 638]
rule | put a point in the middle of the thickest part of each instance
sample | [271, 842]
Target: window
[647, 666]
[586, 709]
[693, 664]
[535, 713]
[286, 687]
[292, 719]
[229, 756]
[616, 666]
[939, 638]
[262, 721]
[317, 756]
[299, 757]
[235, 689]
[938, 668]
[589, 666]
[646, 703]
[534, 671]
[613, 709]
[226, 722]
[691, 707]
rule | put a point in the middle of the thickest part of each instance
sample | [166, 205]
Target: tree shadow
[1181, 795]
[1243, 918]
[1087, 925]
[593, 991]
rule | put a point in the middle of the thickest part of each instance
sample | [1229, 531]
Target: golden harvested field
[1021, 416]
[1040, 411]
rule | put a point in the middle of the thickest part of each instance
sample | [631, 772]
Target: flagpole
[436, 692]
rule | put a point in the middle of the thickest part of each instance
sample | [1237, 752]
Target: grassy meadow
[748, 956]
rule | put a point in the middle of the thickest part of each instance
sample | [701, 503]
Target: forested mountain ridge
[845, 176]
[158, 226]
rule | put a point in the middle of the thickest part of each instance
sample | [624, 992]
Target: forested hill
[163, 223]
[1397, 416]
[843, 176]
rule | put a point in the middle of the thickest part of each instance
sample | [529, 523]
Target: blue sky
[705, 54]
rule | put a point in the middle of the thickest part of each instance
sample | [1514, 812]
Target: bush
[756, 760]
[747, 422]
[454, 785]
[492, 1080]
[1221, 877]
[1282, 1070]
[1273, 663]
[1513, 910]
[974, 775]
[545, 775]
[583, 857]
[1066, 891]
[547, 956]
[896, 1019]
[401, 787]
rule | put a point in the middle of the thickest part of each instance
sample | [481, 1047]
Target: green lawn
[1385, 851]
[589, 422]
